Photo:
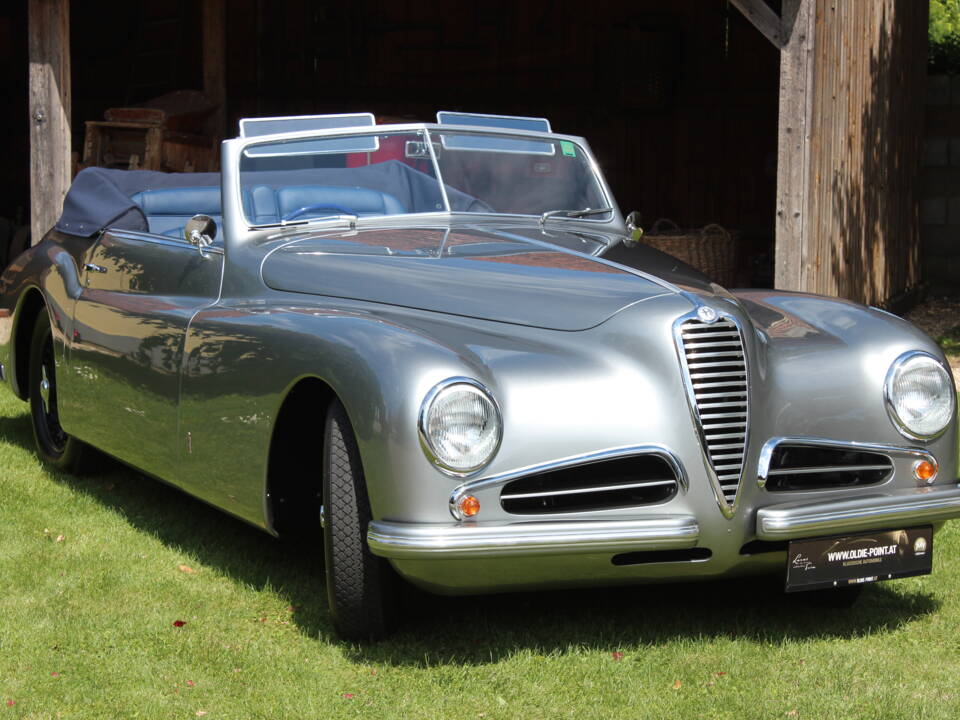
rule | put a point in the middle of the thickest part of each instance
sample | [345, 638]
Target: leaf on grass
[201, 713]
[348, 696]
[721, 673]
[792, 713]
[60, 538]
[190, 683]
[677, 685]
[501, 701]
[54, 674]
[616, 655]
[186, 569]
[179, 623]
[11, 703]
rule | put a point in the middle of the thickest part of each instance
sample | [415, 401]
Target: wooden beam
[793, 147]
[214, 61]
[763, 19]
[49, 103]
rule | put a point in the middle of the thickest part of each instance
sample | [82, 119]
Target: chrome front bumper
[659, 532]
[402, 540]
[866, 512]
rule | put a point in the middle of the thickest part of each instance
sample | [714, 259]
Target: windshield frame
[234, 151]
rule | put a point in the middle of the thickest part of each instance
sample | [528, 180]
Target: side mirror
[634, 229]
[200, 230]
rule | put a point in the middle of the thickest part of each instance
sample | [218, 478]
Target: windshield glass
[394, 173]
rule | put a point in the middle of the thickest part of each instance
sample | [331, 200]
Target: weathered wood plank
[860, 233]
[49, 104]
[763, 19]
[214, 62]
[793, 151]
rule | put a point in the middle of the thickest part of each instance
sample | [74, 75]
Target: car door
[139, 292]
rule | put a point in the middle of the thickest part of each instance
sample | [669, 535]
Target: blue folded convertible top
[100, 198]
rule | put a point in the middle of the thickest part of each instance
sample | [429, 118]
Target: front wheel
[362, 589]
[53, 444]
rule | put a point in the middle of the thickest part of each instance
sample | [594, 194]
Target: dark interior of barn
[677, 99]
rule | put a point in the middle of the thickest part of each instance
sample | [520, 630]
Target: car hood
[506, 275]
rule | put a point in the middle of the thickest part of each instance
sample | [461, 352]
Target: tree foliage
[944, 34]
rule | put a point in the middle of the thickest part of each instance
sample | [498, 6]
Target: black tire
[362, 589]
[54, 446]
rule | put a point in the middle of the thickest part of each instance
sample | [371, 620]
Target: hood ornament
[707, 314]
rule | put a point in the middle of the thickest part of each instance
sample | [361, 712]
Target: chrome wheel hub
[45, 389]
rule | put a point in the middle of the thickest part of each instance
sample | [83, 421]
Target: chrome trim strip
[766, 452]
[474, 486]
[159, 240]
[888, 397]
[828, 469]
[403, 540]
[587, 490]
[901, 507]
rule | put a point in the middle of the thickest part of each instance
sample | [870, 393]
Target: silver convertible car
[440, 343]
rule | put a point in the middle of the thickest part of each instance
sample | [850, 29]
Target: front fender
[822, 366]
[241, 361]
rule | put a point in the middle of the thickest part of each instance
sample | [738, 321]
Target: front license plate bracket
[854, 559]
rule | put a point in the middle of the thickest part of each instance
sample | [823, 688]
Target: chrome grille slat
[711, 416]
[700, 354]
[827, 468]
[706, 396]
[716, 369]
[725, 333]
[587, 489]
[728, 363]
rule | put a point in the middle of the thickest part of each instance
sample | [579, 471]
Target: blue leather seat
[267, 205]
[167, 210]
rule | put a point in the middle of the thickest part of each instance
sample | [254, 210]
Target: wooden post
[49, 103]
[793, 151]
[214, 61]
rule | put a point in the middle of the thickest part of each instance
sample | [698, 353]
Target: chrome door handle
[95, 268]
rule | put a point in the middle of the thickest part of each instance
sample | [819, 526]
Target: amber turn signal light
[468, 506]
[925, 471]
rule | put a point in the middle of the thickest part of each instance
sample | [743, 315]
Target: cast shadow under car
[481, 629]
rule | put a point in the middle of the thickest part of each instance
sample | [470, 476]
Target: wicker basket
[712, 250]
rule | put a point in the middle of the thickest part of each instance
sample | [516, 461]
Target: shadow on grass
[483, 629]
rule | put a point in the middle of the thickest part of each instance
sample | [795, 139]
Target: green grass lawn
[95, 572]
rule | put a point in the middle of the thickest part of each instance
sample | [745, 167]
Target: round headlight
[460, 426]
[920, 395]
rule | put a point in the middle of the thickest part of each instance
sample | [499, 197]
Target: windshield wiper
[350, 219]
[573, 213]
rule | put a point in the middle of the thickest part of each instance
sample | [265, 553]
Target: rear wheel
[53, 444]
[362, 589]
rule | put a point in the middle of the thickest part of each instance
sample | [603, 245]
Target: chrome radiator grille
[717, 371]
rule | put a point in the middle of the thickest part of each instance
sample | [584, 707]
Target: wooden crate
[146, 146]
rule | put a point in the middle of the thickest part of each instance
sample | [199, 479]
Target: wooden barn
[796, 123]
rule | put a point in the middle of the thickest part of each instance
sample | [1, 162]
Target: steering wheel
[319, 206]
